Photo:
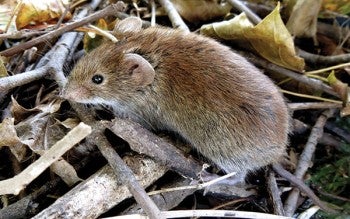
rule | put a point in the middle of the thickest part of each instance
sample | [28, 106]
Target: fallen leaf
[8, 134]
[271, 39]
[201, 10]
[228, 30]
[40, 11]
[20, 113]
[303, 19]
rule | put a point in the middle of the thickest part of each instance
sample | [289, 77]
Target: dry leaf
[3, 70]
[33, 129]
[201, 10]
[271, 39]
[39, 11]
[20, 113]
[8, 134]
[303, 19]
[228, 30]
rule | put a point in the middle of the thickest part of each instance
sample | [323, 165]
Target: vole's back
[221, 104]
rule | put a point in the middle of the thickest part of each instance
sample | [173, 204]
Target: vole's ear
[128, 25]
[141, 71]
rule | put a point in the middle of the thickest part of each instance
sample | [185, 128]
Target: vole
[191, 85]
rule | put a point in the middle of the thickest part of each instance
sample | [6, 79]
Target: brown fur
[221, 104]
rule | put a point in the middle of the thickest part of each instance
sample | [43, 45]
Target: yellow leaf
[39, 11]
[228, 30]
[271, 39]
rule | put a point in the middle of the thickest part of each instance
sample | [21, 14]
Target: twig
[22, 34]
[314, 105]
[328, 60]
[319, 85]
[167, 200]
[153, 13]
[47, 64]
[310, 96]
[300, 185]
[7, 83]
[343, 65]
[119, 167]
[343, 133]
[305, 159]
[20, 181]
[24, 207]
[104, 33]
[174, 16]
[329, 195]
[275, 194]
[208, 213]
[250, 14]
[108, 11]
[197, 186]
[308, 213]
[126, 176]
[101, 191]
[145, 142]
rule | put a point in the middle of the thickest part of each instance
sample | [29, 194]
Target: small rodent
[189, 84]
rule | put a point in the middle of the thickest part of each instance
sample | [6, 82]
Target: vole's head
[107, 75]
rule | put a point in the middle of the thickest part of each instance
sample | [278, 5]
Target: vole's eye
[97, 79]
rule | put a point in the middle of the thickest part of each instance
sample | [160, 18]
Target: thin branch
[108, 11]
[153, 13]
[318, 71]
[306, 158]
[126, 176]
[22, 34]
[328, 60]
[208, 213]
[319, 85]
[174, 16]
[16, 184]
[145, 142]
[311, 97]
[314, 105]
[241, 7]
[275, 194]
[300, 185]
